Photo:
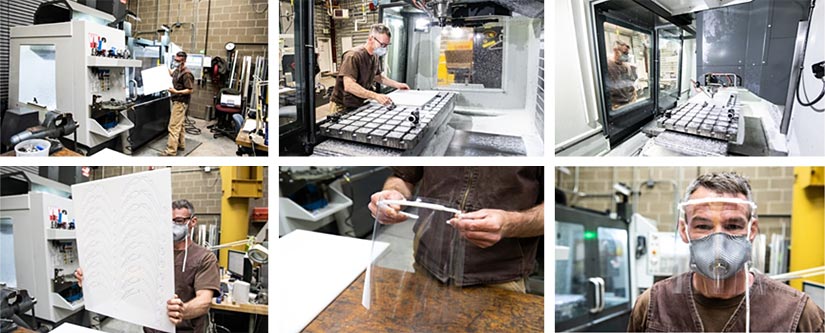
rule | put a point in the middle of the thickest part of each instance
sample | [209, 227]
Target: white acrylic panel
[156, 79]
[415, 98]
[124, 243]
[314, 269]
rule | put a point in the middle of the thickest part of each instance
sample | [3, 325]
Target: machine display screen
[629, 64]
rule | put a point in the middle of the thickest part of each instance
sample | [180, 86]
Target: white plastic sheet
[412, 97]
[156, 79]
[124, 243]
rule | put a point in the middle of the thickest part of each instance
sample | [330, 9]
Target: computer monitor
[235, 262]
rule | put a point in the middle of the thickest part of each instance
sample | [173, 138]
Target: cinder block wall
[237, 21]
[192, 183]
[772, 190]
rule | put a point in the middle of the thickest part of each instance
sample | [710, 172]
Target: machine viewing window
[37, 65]
[629, 64]
[471, 57]
[669, 61]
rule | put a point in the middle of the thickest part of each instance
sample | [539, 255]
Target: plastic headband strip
[722, 200]
[419, 204]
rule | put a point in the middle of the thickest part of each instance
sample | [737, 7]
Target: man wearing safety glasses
[360, 70]
[721, 293]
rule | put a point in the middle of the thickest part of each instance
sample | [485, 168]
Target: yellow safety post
[807, 222]
[238, 185]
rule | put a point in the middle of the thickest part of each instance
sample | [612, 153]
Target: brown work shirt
[182, 80]
[620, 80]
[775, 307]
[469, 189]
[362, 67]
[201, 274]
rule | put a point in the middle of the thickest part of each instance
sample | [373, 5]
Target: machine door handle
[596, 294]
[601, 294]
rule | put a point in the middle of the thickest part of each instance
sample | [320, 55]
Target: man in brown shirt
[360, 69]
[183, 84]
[197, 279]
[504, 223]
[695, 302]
[621, 76]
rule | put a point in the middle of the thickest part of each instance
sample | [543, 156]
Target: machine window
[628, 67]
[38, 61]
[670, 54]
[471, 56]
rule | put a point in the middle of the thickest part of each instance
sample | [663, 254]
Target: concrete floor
[114, 325]
[220, 146]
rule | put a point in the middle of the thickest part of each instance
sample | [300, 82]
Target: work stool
[225, 126]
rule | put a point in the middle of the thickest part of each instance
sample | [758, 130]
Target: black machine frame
[300, 137]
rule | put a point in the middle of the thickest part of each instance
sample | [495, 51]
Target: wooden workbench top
[415, 302]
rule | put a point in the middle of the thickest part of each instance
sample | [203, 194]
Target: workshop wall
[191, 183]
[772, 190]
[346, 28]
[239, 21]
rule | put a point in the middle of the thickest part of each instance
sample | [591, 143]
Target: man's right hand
[78, 274]
[383, 99]
[387, 214]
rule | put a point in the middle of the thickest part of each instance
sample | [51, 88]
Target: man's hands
[173, 91]
[388, 214]
[382, 99]
[484, 228]
[403, 86]
[78, 274]
[175, 309]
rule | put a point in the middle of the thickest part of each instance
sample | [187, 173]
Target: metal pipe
[208, 14]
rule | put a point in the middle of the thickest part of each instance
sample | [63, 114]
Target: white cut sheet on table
[72, 328]
[124, 245]
[412, 97]
[315, 268]
[156, 79]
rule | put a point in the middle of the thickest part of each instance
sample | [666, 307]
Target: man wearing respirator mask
[721, 294]
[360, 69]
[197, 278]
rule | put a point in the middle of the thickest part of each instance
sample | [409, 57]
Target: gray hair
[722, 182]
[380, 29]
[183, 203]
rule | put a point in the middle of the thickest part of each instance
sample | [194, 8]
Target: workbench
[253, 310]
[243, 140]
[422, 304]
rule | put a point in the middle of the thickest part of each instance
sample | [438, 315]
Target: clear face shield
[414, 265]
[718, 231]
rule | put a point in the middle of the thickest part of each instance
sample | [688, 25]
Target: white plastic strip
[420, 204]
[722, 200]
